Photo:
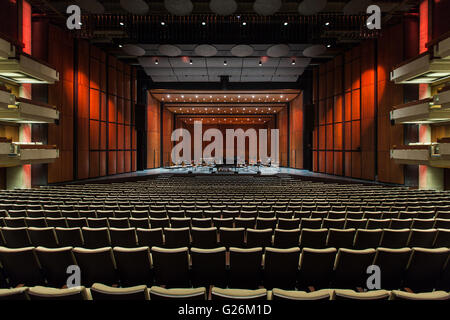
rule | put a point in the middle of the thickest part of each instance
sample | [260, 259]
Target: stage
[250, 170]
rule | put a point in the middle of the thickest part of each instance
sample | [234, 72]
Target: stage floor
[265, 171]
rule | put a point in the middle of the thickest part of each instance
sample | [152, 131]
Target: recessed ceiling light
[244, 23]
[327, 23]
[168, 96]
[163, 23]
[80, 23]
[196, 96]
[182, 96]
[120, 46]
[203, 23]
[121, 23]
[328, 45]
[260, 63]
[225, 63]
[293, 62]
[156, 61]
[253, 97]
[190, 61]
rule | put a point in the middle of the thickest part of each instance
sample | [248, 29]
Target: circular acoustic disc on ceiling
[311, 7]
[278, 50]
[91, 6]
[314, 51]
[179, 7]
[223, 7]
[266, 7]
[205, 50]
[169, 50]
[242, 50]
[133, 50]
[139, 7]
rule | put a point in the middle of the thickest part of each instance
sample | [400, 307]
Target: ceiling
[144, 25]
[257, 67]
[226, 121]
[225, 108]
[229, 99]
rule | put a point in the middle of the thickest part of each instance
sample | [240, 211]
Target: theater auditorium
[246, 150]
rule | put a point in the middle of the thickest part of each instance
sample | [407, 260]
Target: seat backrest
[16, 237]
[424, 268]
[351, 268]
[423, 238]
[134, 266]
[341, 238]
[232, 237]
[208, 267]
[89, 261]
[176, 237]
[311, 223]
[55, 263]
[442, 238]
[394, 238]
[367, 238]
[286, 238]
[313, 238]
[171, 267]
[281, 267]
[245, 267]
[150, 237]
[69, 237]
[259, 238]
[393, 264]
[123, 237]
[21, 266]
[316, 267]
[96, 238]
[45, 237]
[205, 238]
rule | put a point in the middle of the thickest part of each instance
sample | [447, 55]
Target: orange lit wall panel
[339, 114]
[296, 133]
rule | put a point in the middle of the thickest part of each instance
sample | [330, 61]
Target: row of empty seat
[228, 237]
[102, 292]
[286, 214]
[417, 269]
[258, 223]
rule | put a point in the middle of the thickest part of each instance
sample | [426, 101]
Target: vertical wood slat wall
[296, 133]
[105, 98]
[344, 126]
[153, 132]
[282, 119]
[390, 53]
[61, 95]
[106, 129]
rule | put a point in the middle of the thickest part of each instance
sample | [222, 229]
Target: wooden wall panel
[60, 94]
[296, 133]
[330, 162]
[153, 133]
[338, 163]
[341, 120]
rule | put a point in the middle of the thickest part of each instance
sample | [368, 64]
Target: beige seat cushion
[436, 295]
[178, 293]
[324, 294]
[369, 295]
[239, 293]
